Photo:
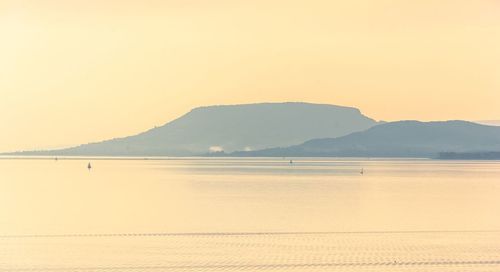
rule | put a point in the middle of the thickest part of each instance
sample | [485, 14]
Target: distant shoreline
[493, 155]
[442, 156]
[159, 158]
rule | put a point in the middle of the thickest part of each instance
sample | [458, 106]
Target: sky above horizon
[79, 71]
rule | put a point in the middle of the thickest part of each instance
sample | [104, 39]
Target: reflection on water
[249, 214]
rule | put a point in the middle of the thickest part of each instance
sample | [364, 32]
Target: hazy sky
[78, 71]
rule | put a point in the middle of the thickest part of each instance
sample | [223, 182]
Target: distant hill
[231, 128]
[488, 122]
[398, 139]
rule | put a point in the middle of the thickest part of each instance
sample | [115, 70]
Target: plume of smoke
[215, 148]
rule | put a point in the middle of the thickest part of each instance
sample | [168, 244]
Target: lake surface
[250, 214]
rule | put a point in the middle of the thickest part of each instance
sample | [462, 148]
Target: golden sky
[78, 71]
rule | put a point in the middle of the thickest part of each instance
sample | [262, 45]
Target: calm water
[249, 215]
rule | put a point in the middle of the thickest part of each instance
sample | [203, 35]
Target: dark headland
[397, 139]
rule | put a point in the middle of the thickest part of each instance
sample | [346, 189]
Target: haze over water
[249, 214]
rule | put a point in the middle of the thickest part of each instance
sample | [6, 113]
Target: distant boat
[89, 166]
[362, 171]
[291, 161]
